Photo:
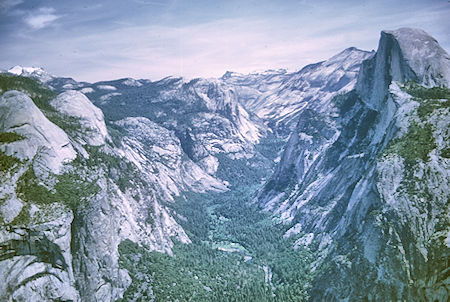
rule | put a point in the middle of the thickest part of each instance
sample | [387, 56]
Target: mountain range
[325, 184]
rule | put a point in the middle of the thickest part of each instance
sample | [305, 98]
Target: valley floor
[238, 253]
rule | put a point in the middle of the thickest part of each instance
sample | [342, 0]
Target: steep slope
[92, 198]
[366, 180]
[73, 189]
[35, 258]
[205, 115]
[277, 97]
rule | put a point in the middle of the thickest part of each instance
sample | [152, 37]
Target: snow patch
[34, 72]
[87, 90]
[106, 87]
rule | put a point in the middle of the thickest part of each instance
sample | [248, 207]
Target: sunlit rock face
[74, 104]
[18, 114]
[52, 251]
[277, 97]
[363, 175]
[367, 178]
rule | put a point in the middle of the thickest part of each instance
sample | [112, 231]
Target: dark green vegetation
[428, 106]
[9, 137]
[70, 189]
[245, 171]
[417, 143]
[271, 146]
[40, 94]
[7, 162]
[123, 172]
[206, 271]
[24, 216]
[237, 253]
[421, 92]
[249, 172]
[430, 99]
[195, 273]
[74, 187]
[445, 153]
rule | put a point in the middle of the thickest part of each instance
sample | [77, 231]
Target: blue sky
[102, 40]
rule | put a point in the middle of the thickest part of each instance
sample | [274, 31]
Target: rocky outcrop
[351, 179]
[74, 104]
[278, 97]
[158, 154]
[36, 261]
[59, 247]
[42, 138]
[403, 55]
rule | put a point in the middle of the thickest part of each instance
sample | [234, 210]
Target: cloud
[200, 50]
[44, 17]
[6, 5]
[101, 48]
[149, 2]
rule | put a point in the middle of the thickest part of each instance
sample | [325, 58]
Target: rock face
[75, 104]
[351, 178]
[403, 55]
[157, 150]
[55, 250]
[277, 97]
[20, 115]
[35, 260]
[363, 176]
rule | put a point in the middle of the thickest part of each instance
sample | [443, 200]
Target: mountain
[328, 183]
[366, 178]
[33, 72]
[61, 189]
[277, 96]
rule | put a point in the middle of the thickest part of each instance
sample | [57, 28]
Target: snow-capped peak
[34, 72]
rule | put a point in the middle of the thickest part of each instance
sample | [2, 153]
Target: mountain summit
[325, 184]
[353, 173]
[404, 55]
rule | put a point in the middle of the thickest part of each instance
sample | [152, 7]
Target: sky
[104, 40]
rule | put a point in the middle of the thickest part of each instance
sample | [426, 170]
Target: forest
[238, 252]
